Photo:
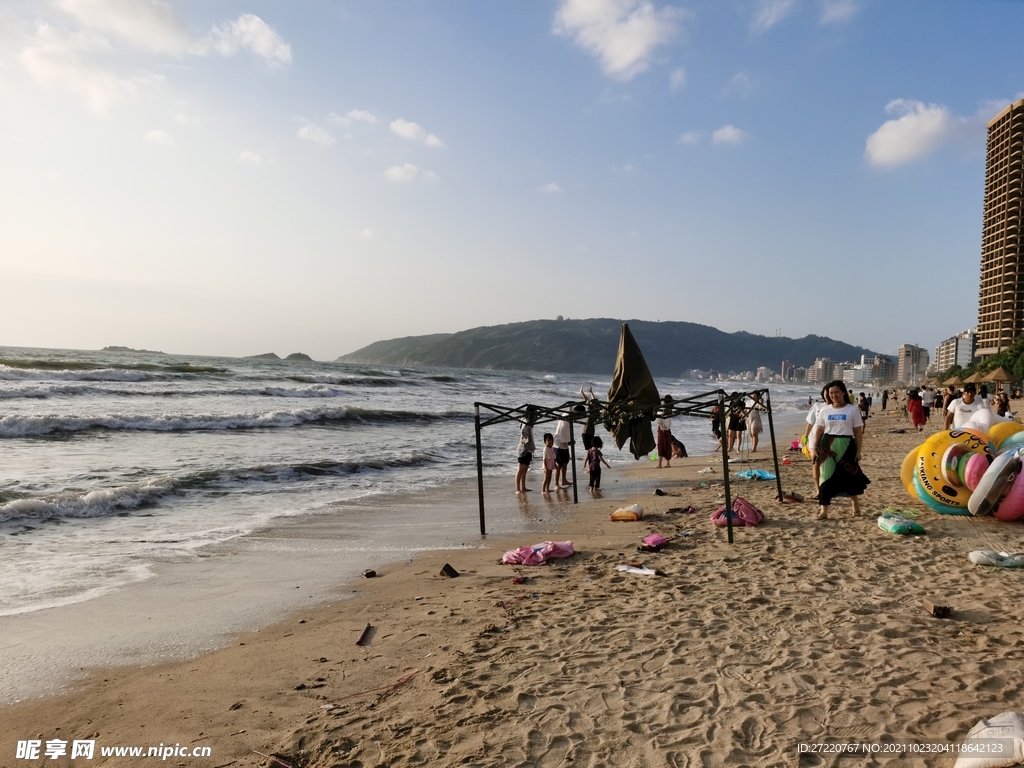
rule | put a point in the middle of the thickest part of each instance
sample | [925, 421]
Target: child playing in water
[549, 461]
[594, 460]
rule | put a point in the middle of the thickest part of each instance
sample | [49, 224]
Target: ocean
[116, 462]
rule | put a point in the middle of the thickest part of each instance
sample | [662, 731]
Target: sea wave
[352, 381]
[67, 366]
[42, 391]
[16, 426]
[134, 496]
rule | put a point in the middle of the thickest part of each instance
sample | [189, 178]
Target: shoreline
[798, 631]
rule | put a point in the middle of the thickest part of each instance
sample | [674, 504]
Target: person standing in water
[664, 422]
[526, 450]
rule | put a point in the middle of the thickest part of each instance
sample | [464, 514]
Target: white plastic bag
[1008, 725]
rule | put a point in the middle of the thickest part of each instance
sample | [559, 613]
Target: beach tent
[953, 381]
[632, 399]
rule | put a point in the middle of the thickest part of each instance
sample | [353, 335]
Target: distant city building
[911, 364]
[1001, 292]
[958, 350]
[883, 369]
[799, 374]
[821, 372]
[763, 374]
[787, 370]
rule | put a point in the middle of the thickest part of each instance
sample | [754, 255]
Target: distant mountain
[299, 356]
[264, 356]
[590, 346]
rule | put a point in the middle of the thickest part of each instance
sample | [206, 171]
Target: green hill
[590, 346]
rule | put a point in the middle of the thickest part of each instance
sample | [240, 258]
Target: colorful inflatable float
[974, 470]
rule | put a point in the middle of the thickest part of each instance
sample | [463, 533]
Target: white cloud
[739, 86]
[728, 134]
[316, 134]
[627, 168]
[622, 34]
[250, 157]
[361, 115]
[150, 25]
[249, 33]
[768, 13]
[550, 189]
[366, 234]
[689, 137]
[677, 79]
[414, 132]
[838, 11]
[919, 130]
[66, 58]
[55, 58]
[160, 138]
[401, 174]
[182, 119]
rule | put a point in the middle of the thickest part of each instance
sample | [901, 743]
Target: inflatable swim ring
[974, 470]
[907, 470]
[994, 483]
[1013, 440]
[999, 432]
[951, 461]
[1012, 506]
[925, 498]
[928, 469]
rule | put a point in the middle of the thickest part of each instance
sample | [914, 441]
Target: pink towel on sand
[538, 554]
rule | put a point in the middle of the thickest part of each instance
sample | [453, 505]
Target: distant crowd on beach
[744, 417]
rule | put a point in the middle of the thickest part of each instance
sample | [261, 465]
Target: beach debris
[756, 474]
[538, 554]
[1007, 727]
[300, 687]
[396, 686]
[998, 559]
[641, 570]
[448, 572]
[705, 471]
[938, 611]
[790, 497]
[897, 524]
[681, 510]
[364, 636]
[274, 759]
[652, 543]
[369, 573]
[659, 492]
[518, 579]
[743, 513]
[629, 514]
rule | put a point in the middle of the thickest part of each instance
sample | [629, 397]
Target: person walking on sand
[927, 399]
[594, 461]
[754, 425]
[664, 422]
[805, 441]
[836, 449]
[865, 408]
[562, 437]
[916, 409]
[549, 461]
[737, 424]
[885, 399]
[962, 409]
[526, 449]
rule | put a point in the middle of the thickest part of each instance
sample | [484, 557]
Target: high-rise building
[958, 350]
[911, 363]
[1001, 294]
[787, 370]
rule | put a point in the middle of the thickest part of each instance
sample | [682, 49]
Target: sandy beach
[799, 632]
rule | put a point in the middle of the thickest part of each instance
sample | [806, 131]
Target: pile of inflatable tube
[973, 470]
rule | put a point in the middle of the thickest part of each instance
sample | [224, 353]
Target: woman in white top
[836, 450]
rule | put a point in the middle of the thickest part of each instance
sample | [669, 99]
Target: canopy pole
[572, 459]
[775, 450]
[725, 464]
[480, 470]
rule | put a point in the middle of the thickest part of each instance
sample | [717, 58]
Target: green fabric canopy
[633, 387]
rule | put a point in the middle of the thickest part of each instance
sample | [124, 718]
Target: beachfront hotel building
[911, 364]
[1001, 293]
[957, 350]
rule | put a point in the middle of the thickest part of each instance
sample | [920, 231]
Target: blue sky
[243, 177]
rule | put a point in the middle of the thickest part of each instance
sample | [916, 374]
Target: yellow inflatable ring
[907, 470]
[1003, 430]
[928, 468]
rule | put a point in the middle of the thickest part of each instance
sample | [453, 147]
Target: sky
[246, 176]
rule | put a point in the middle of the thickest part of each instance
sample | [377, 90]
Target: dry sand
[799, 631]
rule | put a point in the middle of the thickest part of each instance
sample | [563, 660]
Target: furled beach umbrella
[954, 381]
[632, 398]
[1000, 376]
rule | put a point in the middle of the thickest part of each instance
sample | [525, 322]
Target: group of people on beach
[556, 456]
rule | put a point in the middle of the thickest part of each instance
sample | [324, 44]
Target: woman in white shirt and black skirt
[835, 446]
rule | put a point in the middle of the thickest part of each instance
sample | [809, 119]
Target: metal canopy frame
[702, 404]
